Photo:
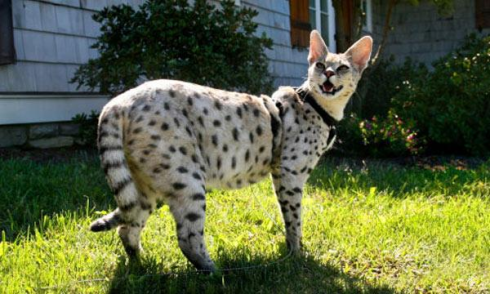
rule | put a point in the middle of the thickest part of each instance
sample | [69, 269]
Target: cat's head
[333, 76]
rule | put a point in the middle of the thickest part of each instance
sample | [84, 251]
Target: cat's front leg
[289, 192]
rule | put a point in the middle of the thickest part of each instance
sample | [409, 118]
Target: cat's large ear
[360, 53]
[318, 48]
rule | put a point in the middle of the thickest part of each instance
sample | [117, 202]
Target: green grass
[379, 229]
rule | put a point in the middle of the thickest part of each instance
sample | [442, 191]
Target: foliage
[445, 108]
[87, 133]
[175, 40]
[389, 136]
[374, 128]
[379, 229]
[450, 104]
[381, 83]
[380, 136]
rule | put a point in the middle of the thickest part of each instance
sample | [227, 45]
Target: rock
[43, 131]
[69, 129]
[13, 136]
[56, 142]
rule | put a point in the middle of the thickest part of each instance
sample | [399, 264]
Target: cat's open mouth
[329, 88]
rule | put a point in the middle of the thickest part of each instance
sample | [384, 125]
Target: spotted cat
[171, 140]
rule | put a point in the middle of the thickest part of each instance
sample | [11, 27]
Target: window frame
[330, 14]
[368, 26]
[7, 47]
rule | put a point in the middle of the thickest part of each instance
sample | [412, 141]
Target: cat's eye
[320, 66]
[342, 68]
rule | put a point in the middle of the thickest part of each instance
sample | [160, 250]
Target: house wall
[288, 66]
[421, 33]
[53, 38]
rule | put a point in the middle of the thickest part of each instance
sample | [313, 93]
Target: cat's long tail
[113, 160]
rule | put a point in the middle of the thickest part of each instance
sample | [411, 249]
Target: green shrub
[451, 104]
[380, 136]
[87, 133]
[173, 39]
[381, 83]
[444, 110]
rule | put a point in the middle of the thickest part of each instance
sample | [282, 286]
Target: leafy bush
[87, 134]
[380, 136]
[381, 83]
[173, 39]
[408, 108]
[451, 104]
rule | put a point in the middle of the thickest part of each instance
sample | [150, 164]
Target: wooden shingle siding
[288, 66]
[52, 38]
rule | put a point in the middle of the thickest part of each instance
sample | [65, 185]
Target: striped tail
[113, 160]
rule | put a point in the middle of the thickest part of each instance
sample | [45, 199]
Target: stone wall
[51, 135]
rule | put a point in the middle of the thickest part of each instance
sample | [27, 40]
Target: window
[367, 15]
[482, 11]
[322, 18]
[7, 51]
[300, 23]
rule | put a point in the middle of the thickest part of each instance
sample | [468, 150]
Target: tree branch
[386, 30]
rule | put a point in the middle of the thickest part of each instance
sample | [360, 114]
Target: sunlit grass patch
[379, 228]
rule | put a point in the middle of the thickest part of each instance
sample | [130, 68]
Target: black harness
[326, 117]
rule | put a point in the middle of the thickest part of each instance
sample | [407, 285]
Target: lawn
[378, 228]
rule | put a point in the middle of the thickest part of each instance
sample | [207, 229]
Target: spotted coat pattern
[169, 141]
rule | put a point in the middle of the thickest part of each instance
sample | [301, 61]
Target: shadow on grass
[32, 193]
[293, 275]
[338, 174]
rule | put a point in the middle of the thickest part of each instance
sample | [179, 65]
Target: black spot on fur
[218, 163]
[166, 106]
[172, 93]
[164, 127]
[256, 112]
[155, 137]
[137, 130]
[235, 134]
[200, 120]
[225, 148]
[216, 123]
[233, 162]
[196, 176]
[179, 186]
[192, 216]
[218, 105]
[182, 170]
[118, 187]
[183, 150]
[214, 140]
[239, 112]
[198, 196]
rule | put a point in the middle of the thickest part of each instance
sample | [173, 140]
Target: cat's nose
[329, 73]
